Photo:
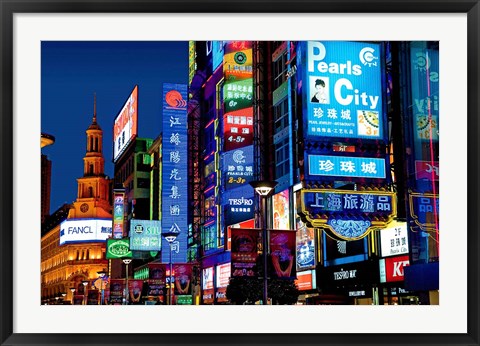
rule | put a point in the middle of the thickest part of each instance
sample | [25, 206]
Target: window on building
[280, 113]
[282, 158]
[279, 70]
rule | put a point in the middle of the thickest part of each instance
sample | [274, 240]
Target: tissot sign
[85, 230]
[343, 90]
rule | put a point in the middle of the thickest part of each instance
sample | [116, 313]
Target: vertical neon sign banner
[174, 171]
[118, 214]
[238, 95]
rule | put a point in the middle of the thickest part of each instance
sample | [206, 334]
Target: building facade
[73, 238]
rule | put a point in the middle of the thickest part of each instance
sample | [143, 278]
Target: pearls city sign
[349, 215]
[343, 90]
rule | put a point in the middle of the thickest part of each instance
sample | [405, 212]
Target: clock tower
[94, 188]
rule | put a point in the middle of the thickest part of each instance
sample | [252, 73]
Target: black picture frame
[10, 7]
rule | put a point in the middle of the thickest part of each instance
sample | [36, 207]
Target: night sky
[72, 72]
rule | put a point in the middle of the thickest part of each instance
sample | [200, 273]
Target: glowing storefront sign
[207, 278]
[344, 166]
[425, 93]
[281, 210]
[223, 274]
[174, 170]
[394, 240]
[343, 90]
[350, 215]
[126, 124]
[118, 248]
[85, 230]
[145, 235]
[392, 268]
[238, 167]
[118, 213]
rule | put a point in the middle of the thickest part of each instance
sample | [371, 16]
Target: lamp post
[85, 283]
[263, 188]
[127, 261]
[101, 275]
[170, 237]
[72, 289]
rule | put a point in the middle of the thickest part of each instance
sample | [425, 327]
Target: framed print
[211, 157]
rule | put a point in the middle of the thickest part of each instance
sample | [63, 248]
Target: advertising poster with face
[282, 252]
[183, 276]
[135, 291]
[244, 251]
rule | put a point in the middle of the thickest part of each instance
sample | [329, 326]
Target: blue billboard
[343, 90]
[238, 204]
[238, 167]
[174, 170]
[346, 166]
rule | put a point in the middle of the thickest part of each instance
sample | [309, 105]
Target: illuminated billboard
[174, 170]
[394, 240]
[85, 230]
[343, 90]
[346, 166]
[238, 167]
[118, 213]
[392, 268]
[238, 204]
[207, 278]
[145, 235]
[281, 210]
[223, 274]
[238, 128]
[126, 124]
[118, 248]
[425, 93]
[237, 95]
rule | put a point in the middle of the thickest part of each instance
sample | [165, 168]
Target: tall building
[334, 124]
[73, 238]
[46, 175]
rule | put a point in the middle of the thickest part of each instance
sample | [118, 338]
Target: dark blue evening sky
[71, 72]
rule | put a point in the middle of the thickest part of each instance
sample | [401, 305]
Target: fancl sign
[343, 90]
[85, 230]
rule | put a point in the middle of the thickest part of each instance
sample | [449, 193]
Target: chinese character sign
[394, 240]
[238, 167]
[338, 203]
[118, 213]
[345, 166]
[174, 170]
[238, 95]
[343, 94]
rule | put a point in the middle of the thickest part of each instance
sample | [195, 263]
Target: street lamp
[85, 283]
[72, 289]
[263, 188]
[101, 275]
[170, 237]
[127, 261]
